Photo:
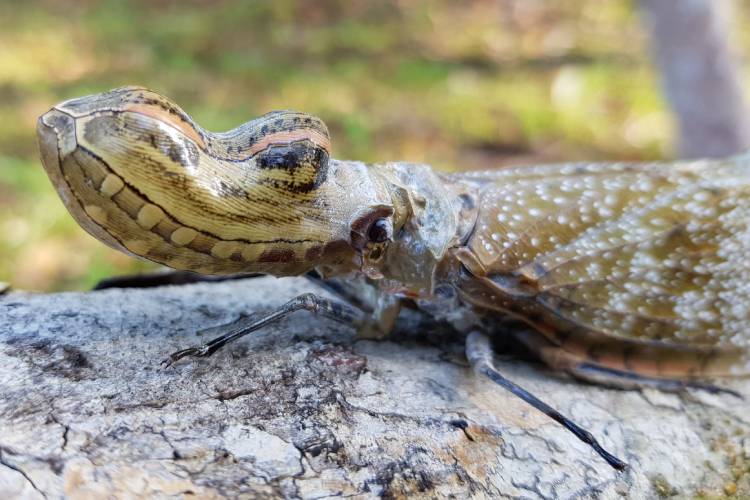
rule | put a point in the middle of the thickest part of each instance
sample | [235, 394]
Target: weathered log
[304, 409]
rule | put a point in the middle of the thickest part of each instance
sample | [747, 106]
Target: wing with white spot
[657, 252]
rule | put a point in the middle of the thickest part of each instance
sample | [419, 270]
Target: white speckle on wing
[641, 251]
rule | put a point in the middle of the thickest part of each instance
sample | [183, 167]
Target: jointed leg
[381, 307]
[479, 353]
[582, 369]
[597, 374]
[336, 311]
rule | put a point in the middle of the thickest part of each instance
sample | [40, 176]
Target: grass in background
[458, 85]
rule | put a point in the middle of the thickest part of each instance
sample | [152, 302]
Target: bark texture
[303, 409]
[699, 73]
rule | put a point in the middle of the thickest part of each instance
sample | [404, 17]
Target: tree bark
[699, 75]
[304, 409]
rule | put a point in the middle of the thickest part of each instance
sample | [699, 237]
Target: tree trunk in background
[700, 75]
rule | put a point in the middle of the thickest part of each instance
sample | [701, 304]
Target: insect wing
[651, 255]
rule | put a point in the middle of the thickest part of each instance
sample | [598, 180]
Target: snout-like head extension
[138, 174]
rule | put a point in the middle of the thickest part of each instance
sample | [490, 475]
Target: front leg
[382, 308]
[381, 322]
[335, 310]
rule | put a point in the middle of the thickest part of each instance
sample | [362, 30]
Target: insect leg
[479, 353]
[602, 375]
[580, 368]
[336, 311]
[344, 289]
[382, 308]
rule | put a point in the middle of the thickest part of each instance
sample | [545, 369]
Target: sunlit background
[459, 85]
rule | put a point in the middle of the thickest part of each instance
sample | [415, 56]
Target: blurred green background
[460, 85]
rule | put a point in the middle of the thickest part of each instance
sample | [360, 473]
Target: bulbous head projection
[138, 174]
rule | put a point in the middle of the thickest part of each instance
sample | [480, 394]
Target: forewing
[654, 252]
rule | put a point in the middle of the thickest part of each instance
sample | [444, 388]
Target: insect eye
[378, 231]
[374, 226]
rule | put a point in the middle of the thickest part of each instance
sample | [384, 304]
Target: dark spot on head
[291, 156]
[183, 152]
[100, 129]
[294, 157]
[251, 140]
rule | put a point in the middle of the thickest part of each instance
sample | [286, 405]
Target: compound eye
[375, 226]
[379, 231]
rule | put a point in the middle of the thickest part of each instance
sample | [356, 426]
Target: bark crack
[19, 470]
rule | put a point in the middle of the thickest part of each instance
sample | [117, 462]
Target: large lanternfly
[625, 274]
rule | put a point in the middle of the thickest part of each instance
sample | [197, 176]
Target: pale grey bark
[303, 409]
[699, 75]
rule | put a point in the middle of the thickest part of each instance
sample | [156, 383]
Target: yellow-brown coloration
[149, 215]
[183, 236]
[643, 269]
[111, 185]
[139, 175]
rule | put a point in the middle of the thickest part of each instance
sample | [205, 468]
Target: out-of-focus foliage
[471, 84]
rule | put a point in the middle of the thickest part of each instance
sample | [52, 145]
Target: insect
[624, 274]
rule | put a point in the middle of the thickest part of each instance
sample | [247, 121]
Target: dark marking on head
[289, 156]
[226, 190]
[292, 158]
[100, 129]
[251, 139]
[182, 151]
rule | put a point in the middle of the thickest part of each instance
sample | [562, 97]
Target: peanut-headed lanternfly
[625, 274]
